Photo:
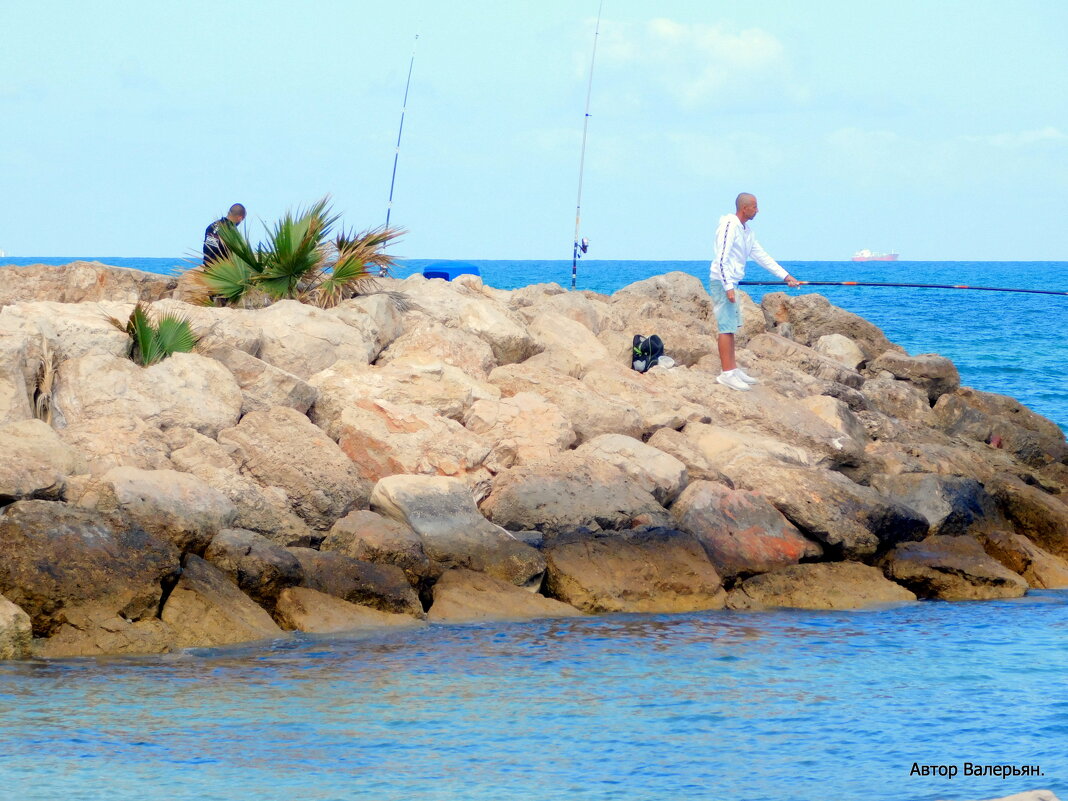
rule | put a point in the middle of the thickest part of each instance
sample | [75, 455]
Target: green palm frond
[146, 348]
[174, 335]
[228, 278]
[151, 342]
[296, 251]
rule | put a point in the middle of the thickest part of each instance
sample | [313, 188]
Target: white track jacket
[735, 245]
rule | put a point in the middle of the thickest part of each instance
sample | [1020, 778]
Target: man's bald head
[744, 199]
[745, 206]
[236, 213]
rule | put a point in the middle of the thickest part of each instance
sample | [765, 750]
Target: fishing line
[584, 244]
[400, 131]
[915, 286]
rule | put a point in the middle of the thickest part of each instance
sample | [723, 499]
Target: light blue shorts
[728, 315]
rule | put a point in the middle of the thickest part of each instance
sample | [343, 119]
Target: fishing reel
[581, 247]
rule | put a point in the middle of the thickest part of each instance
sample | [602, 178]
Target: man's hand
[792, 282]
[730, 295]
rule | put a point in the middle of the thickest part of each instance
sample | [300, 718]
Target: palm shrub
[155, 341]
[298, 261]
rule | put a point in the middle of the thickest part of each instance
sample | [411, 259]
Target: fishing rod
[584, 244]
[383, 271]
[915, 286]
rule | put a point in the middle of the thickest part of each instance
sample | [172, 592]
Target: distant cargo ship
[870, 255]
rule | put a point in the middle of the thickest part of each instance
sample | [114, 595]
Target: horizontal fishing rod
[915, 286]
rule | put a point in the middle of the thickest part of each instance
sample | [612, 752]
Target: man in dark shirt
[213, 244]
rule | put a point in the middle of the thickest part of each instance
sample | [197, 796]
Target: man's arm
[761, 257]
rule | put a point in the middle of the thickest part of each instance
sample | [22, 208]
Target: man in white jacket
[735, 245]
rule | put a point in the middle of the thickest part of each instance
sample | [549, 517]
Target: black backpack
[647, 351]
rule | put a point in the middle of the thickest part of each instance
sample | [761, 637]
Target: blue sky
[939, 129]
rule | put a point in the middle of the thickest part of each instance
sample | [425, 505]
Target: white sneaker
[745, 376]
[732, 381]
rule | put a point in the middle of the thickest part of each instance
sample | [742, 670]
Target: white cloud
[697, 64]
[1022, 138]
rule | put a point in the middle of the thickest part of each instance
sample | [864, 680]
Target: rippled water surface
[719, 705]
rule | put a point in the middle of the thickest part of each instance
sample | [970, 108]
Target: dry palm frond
[44, 385]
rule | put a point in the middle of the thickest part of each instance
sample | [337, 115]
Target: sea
[910, 702]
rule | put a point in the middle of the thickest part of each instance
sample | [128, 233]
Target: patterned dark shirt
[213, 244]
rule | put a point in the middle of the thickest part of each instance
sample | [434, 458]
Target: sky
[936, 129]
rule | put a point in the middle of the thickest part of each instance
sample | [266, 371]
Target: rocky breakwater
[453, 452]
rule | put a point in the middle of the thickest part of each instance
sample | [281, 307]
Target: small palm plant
[298, 261]
[155, 341]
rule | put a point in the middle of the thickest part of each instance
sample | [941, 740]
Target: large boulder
[206, 609]
[464, 596]
[840, 348]
[775, 348]
[260, 568]
[589, 412]
[813, 316]
[645, 570]
[823, 585]
[16, 631]
[657, 405]
[215, 326]
[384, 438]
[569, 492]
[16, 379]
[520, 429]
[1038, 567]
[121, 440]
[173, 506]
[305, 609]
[951, 504]
[898, 399]
[837, 414]
[264, 386]
[381, 586]
[658, 473]
[186, 390]
[1039, 516]
[96, 631]
[426, 340]
[263, 509]
[593, 313]
[458, 306]
[56, 558]
[951, 569]
[849, 520]
[371, 537]
[81, 281]
[555, 333]
[699, 467]
[935, 375]
[741, 531]
[35, 462]
[304, 340]
[442, 512]
[69, 329]
[282, 448]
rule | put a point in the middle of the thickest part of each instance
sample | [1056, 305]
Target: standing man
[213, 245]
[735, 244]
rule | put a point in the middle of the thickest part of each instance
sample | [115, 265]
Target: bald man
[735, 245]
[214, 248]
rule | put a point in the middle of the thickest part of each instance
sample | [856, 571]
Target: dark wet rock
[951, 569]
[383, 587]
[821, 585]
[260, 568]
[951, 504]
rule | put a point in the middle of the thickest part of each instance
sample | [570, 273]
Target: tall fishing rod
[916, 286]
[584, 244]
[383, 271]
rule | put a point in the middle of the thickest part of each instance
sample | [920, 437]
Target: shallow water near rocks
[785, 705]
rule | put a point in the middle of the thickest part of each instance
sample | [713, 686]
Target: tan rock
[898, 399]
[305, 609]
[81, 281]
[442, 512]
[657, 405]
[594, 315]
[520, 429]
[554, 332]
[206, 610]
[658, 473]
[741, 531]
[35, 462]
[840, 348]
[16, 384]
[427, 340]
[935, 375]
[951, 569]
[647, 570]
[590, 413]
[185, 390]
[838, 416]
[464, 596]
[71, 329]
[264, 386]
[216, 327]
[699, 467]
[371, 537]
[282, 448]
[99, 632]
[56, 559]
[382, 586]
[16, 633]
[811, 316]
[384, 439]
[176, 507]
[1039, 568]
[822, 585]
[121, 440]
[776, 348]
[572, 491]
[1039, 516]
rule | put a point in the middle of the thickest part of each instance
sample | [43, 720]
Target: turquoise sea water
[781, 706]
[1009, 343]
